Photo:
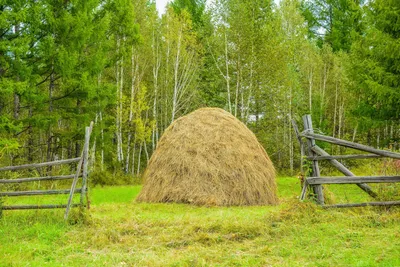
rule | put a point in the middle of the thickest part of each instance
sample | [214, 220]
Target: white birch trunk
[121, 110]
[176, 71]
[237, 85]
[134, 74]
[156, 68]
[133, 156]
[335, 110]
[102, 140]
[139, 157]
[117, 117]
[227, 78]
[325, 79]
[119, 80]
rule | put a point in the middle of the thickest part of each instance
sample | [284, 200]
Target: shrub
[104, 178]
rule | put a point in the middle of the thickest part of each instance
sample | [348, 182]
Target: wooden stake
[311, 143]
[78, 170]
[88, 132]
[305, 185]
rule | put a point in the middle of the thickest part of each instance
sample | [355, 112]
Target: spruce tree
[333, 21]
[377, 64]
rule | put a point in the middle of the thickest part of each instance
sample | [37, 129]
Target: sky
[161, 5]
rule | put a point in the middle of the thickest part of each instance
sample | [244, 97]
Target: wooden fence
[316, 153]
[81, 172]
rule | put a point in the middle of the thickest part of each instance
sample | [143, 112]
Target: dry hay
[209, 158]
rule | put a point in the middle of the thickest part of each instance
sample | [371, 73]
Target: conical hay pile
[209, 158]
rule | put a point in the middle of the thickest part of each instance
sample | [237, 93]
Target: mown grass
[119, 232]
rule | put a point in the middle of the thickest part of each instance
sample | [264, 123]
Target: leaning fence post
[304, 184]
[315, 168]
[88, 131]
[77, 174]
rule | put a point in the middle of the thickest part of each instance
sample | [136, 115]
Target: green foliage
[116, 62]
[105, 178]
[376, 67]
[1, 207]
[333, 22]
[307, 166]
[8, 146]
[196, 9]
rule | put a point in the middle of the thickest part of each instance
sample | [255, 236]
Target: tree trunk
[134, 74]
[139, 157]
[133, 156]
[323, 90]
[176, 70]
[227, 78]
[17, 105]
[237, 85]
[291, 145]
[156, 68]
[119, 81]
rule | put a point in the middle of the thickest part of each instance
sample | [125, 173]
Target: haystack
[209, 158]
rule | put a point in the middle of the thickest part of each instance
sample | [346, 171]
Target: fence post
[88, 132]
[315, 168]
[302, 173]
[78, 170]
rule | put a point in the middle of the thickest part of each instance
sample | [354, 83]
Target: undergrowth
[1, 207]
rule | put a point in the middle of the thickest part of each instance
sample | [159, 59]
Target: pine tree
[333, 21]
[15, 70]
[377, 64]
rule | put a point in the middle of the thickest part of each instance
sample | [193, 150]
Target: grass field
[119, 232]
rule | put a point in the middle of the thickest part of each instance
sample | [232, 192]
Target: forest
[64, 63]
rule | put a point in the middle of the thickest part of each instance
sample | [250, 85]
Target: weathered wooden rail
[315, 154]
[81, 172]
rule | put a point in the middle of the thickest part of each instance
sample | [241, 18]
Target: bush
[388, 192]
[104, 178]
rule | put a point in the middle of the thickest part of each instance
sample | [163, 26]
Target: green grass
[119, 232]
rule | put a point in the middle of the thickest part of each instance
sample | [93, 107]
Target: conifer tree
[376, 69]
[333, 21]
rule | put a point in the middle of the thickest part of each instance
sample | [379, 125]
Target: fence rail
[365, 204]
[361, 156]
[37, 193]
[316, 153]
[81, 172]
[353, 180]
[39, 165]
[35, 179]
[337, 141]
[37, 207]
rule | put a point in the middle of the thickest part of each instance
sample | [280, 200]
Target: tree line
[133, 72]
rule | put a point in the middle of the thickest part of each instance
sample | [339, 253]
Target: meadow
[117, 231]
